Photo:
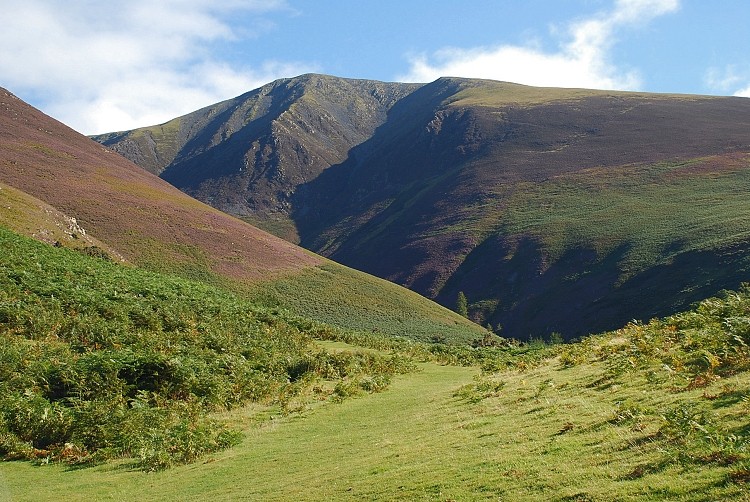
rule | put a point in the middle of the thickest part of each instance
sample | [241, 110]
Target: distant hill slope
[150, 223]
[553, 210]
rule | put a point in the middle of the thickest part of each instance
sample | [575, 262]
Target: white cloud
[582, 59]
[121, 64]
[733, 79]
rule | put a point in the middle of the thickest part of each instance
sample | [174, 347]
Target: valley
[156, 346]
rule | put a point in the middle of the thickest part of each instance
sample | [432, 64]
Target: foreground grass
[650, 411]
[549, 432]
[358, 449]
[100, 361]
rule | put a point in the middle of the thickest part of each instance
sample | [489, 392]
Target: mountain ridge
[462, 177]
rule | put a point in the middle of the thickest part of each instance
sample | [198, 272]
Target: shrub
[100, 360]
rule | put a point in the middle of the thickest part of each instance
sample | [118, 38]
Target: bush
[100, 360]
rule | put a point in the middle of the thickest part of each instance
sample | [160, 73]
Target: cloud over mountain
[118, 65]
[582, 58]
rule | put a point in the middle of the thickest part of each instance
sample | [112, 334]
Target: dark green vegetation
[56, 175]
[98, 360]
[523, 198]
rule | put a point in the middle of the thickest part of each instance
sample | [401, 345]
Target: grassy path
[383, 445]
[542, 434]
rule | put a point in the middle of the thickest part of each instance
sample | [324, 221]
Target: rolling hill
[553, 210]
[54, 176]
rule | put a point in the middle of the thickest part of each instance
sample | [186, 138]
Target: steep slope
[249, 155]
[143, 217]
[152, 224]
[554, 210]
[30, 216]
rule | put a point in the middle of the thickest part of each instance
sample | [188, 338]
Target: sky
[112, 65]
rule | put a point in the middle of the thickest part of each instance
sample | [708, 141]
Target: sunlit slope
[152, 224]
[652, 411]
[143, 217]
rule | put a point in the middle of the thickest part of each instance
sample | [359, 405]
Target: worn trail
[353, 450]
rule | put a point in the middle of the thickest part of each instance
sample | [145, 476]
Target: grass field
[578, 426]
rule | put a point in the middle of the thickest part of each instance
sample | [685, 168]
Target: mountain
[53, 179]
[248, 156]
[553, 210]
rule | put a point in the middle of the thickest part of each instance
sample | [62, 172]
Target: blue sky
[111, 65]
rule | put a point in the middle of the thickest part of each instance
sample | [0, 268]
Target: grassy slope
[683, 224]
[150, 222]
[648, 412]
[661, 210]
[693, 201]
[154, 225]
[373, 305]
[27, 215]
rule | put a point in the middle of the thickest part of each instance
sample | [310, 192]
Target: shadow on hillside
[359, 183]
[578, 294]
[226, 153]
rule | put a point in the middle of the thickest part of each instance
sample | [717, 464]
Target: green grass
[655, 209]
[101, 361]
[350, 299]
[649, 412]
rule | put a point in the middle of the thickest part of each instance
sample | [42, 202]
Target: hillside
[149, 223]
[30, 216]
[553, 210]
[249, 155]
[652, 411]
[102, 361]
